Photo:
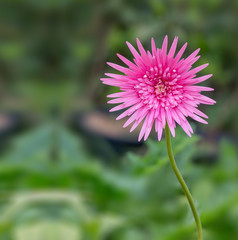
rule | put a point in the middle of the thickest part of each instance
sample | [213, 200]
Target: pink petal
[142, 51]
[133, 51]
[195, 70]
[180, 53]
[143, 129]
[191, 56]
[138, 121]
[197, 88]
[173, 48]
[117, 100]
[199, 79]
[153, 47]
[159, 130]
[195, 117]
[120, 68]
[206, 100]
[149, 124]
[185, 128]
[128, 63]
[175, 116]
[163, 117]
[164, 45]
[119, 94]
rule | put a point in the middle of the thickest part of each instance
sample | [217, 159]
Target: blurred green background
[67, 169]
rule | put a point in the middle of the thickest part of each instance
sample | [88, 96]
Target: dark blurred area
[68, 170]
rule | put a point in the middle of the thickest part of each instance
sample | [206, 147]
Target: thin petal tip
[128, 44]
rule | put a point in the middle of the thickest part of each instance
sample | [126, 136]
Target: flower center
[160, 87]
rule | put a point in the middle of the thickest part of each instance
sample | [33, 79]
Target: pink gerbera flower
[158, 88]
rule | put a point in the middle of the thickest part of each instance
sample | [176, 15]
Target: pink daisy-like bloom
[158, 88]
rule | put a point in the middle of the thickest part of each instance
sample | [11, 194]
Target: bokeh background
[67, 169]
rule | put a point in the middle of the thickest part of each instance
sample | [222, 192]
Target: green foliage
[81, 198]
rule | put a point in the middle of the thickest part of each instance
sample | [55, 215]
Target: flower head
[159, 87]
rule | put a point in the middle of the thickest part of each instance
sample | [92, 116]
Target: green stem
[182, 182]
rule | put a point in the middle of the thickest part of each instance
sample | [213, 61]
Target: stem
[182, 182]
